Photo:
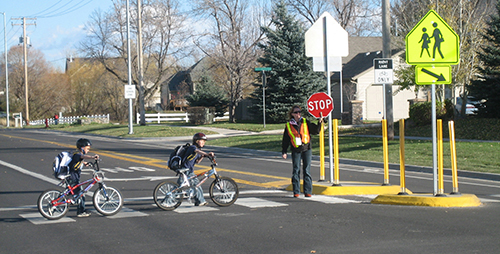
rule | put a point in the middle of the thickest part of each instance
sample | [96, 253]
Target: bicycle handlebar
[212, 160]
[94, 165]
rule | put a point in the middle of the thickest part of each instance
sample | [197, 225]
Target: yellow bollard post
[402, 157]
[336, 177]
[440, 191]
[322, 153]
[453, 152]
[385, 152]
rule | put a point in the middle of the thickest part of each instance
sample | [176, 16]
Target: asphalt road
[265, 219]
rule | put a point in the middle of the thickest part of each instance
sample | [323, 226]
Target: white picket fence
[172, 117]
[72, 119]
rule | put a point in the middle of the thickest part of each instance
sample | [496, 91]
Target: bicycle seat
[182, 170]
[62, 177]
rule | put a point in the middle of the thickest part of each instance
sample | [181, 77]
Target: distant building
[183, 83]
[358, 78]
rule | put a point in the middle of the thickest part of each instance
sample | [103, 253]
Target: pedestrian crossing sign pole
[433, 46]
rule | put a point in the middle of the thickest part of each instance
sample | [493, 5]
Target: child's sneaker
[84, 214]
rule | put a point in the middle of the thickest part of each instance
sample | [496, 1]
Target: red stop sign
[320, 103]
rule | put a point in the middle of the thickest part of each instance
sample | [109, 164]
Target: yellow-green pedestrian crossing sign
[432, 41]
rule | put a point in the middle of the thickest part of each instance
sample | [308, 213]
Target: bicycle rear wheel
[167, 196]
[107, 200]
[47, 209]
[224, 191]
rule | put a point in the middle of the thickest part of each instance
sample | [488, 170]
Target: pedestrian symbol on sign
[443, 40]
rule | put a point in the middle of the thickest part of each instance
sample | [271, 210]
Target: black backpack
[177, 157]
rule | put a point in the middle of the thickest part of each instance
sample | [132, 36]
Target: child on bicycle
[75, 170]
[195, 155]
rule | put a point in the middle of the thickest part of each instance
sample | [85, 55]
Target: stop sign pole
[326, 38]
[321, 105]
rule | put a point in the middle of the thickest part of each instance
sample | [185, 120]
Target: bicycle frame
[186, 183]
[70, 190]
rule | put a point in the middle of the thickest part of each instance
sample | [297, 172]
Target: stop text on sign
[319, 105]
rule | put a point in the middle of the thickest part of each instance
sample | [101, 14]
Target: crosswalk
[246, 199]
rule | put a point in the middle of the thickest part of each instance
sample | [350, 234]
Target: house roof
[190, 75]
[178, 78]
[362, 51]
[360, 63]
[362, 45]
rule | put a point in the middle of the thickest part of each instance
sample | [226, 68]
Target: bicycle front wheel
[46, 205]
[223, 191]
[107, 200]
[167, 196]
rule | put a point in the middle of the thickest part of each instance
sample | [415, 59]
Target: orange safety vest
[304, 133]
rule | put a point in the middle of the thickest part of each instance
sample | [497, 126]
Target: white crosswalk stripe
[329, 199]
[38, 219]
[187, 207]
[257, 203]
[127, 213]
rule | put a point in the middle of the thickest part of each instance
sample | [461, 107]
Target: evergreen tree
[292, 79]
[487, 86]
[208, 94]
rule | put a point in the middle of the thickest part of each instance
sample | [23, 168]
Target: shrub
[200, 115]
[421, 113]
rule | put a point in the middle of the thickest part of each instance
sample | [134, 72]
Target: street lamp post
[263, 70]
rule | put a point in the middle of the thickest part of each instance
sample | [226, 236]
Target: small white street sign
[383, 71]
[129, 92]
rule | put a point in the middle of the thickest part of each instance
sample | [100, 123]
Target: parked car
[471, 107]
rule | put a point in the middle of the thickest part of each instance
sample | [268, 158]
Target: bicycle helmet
[82, 143]
[199, 136]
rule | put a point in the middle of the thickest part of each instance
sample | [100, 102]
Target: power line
[61, 11]
[40, 13]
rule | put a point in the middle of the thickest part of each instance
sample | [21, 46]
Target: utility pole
[25, 50]
[129, 71]
[142, 112]
[386, 41]
[6, 68]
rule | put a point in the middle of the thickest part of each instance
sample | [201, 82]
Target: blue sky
[59, 24]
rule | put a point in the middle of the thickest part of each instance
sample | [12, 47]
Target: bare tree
[231, 40]
[165, 37]
[46, 88]
[94, 90]
[357, 17]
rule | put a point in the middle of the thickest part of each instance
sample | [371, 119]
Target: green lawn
[148, 131]
[473, 156]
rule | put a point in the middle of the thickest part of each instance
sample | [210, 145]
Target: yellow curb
[461, 200]
[352, 188]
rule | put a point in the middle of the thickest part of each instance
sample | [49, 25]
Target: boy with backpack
[193, 156]
[75, 170]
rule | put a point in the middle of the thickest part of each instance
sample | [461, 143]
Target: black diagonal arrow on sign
[439, 77]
